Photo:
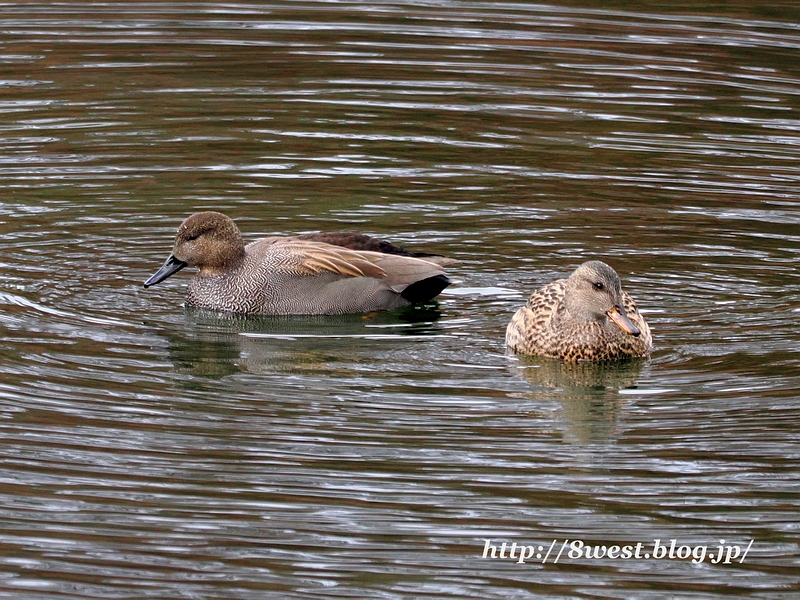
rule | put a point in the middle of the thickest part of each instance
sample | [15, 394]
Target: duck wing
[311, 258]
[302, 257]
[547, 300]
[530, 330]
[362, 242]
[416, 279]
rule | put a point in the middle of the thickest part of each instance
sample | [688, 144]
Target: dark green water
[151, 451]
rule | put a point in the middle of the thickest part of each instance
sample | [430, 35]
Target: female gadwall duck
[313, 274]
[585, 317]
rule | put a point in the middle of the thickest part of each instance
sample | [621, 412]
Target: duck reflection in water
[589, 392]
[215, 344]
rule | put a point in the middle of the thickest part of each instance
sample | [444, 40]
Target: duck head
[208, 240]
[594, 293]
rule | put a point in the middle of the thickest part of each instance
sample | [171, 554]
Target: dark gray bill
[170, 267]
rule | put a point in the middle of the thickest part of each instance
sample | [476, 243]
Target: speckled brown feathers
[296, 275]
[586, 317]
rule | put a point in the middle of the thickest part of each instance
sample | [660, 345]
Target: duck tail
[425, 289]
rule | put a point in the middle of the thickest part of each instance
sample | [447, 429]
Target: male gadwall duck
[312, 274]
[586, 317]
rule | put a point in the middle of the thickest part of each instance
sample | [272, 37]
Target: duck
[309, 274]
[586, 317]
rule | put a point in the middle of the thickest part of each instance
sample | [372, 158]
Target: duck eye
[598, 285]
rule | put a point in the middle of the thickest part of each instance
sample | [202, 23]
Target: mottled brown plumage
[312, 274]
[585, 317]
